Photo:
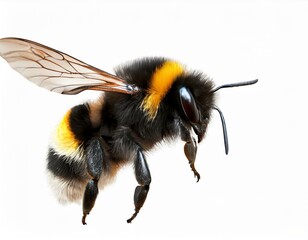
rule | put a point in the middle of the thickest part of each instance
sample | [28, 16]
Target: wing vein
[57, 71]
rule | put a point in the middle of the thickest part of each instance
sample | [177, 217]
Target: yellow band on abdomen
[65, 141]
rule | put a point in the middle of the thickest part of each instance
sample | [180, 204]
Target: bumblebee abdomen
[66, 162]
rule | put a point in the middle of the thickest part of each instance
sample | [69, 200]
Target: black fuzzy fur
[80, 122]
[63, 167]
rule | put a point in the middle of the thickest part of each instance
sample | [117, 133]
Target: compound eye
[189, 105]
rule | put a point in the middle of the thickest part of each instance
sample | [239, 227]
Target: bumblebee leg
[89, 198]
[143, 177]
[190, 150]
[95, 157]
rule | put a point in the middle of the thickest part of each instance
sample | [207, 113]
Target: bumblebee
[147, 101]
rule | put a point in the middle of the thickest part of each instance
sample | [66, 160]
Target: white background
[258, 191]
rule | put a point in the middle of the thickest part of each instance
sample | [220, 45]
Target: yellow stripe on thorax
[65, 139]
[160, 84]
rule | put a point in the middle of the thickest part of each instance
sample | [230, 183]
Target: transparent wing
[57, 71]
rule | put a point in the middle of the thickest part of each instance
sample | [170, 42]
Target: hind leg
[95, 164]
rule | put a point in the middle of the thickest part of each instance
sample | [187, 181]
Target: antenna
[224, 129]
[223, 122]
[235, 85]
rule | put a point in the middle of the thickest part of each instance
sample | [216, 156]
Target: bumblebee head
[196, 99]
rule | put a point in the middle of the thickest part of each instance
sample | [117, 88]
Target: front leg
[190, 149]
[143, 177]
